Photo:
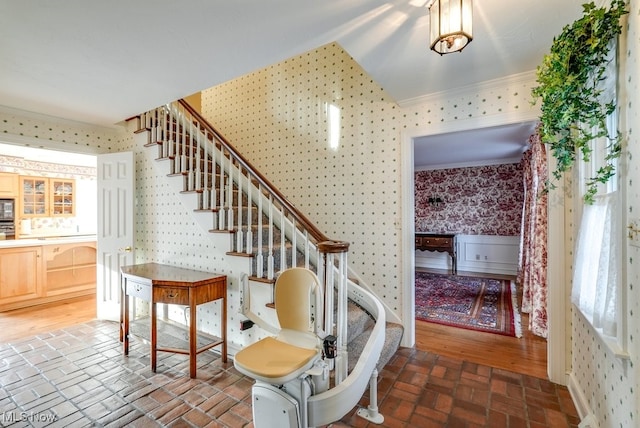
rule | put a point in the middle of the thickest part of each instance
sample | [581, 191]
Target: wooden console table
[157, 283]
[443, 242]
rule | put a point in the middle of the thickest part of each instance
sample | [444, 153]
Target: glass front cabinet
[47, 197]
[62, 197]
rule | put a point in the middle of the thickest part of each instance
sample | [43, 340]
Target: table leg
[193, 339]
[121, 325]
[125, 323]
[224, 329]
[154, 335]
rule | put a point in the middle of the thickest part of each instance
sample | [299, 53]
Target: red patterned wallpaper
[485, 200]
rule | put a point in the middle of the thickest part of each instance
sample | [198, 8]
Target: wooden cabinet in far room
[70, 268]
[9, 185]
[47, 197]
[20, 275]
[33, 275]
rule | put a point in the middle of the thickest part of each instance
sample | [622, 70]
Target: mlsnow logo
[13, 417]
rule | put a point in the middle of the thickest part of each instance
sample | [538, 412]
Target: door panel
[116, 178]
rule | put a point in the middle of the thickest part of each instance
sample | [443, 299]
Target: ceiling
[101, 62]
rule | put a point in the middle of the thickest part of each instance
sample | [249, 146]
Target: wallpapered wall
[54, 132]
[484, 200]
[277, 118]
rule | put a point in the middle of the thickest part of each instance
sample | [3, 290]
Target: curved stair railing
[265, 226]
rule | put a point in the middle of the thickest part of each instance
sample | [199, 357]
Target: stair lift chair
[288, 368]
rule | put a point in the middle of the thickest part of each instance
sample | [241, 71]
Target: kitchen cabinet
[34, 275]
[70, 268]
[9, 185]
[20, 275]
[47, 197]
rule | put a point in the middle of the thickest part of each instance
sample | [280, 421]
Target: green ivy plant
[572, 112]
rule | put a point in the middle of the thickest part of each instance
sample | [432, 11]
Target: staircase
[265, 228]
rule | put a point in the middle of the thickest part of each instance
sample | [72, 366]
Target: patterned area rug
[480, 304]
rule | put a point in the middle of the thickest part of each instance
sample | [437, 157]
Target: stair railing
[230, 187]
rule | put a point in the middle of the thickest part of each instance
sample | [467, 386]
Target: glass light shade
[451, 25]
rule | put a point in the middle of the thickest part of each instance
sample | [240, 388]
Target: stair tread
[393, 335]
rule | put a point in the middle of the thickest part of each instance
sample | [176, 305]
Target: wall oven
[7, 209]
[7, 219]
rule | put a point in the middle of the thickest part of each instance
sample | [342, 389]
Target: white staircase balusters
[206, 192]
[260, 256]
[294, 248]
[164, 140]
[342, 359]
[249, 234]
[198, 174]
[191, 169]
[171, 123]
[240, 231]
[221, 189]
[283, 248]
[270, 261]
[182, 166]
[230, 195]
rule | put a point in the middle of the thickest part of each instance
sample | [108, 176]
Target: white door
[116, 178]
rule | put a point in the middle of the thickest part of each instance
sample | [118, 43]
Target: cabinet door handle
[125, 249]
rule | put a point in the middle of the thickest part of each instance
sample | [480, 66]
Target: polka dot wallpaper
[74, 135]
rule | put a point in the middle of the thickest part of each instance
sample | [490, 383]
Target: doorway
[555, 360]
[55, 219]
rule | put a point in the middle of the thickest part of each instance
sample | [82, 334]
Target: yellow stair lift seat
[278, 360]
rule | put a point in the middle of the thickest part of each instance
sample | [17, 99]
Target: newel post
[332, 271]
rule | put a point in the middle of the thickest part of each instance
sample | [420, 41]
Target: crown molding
[527, 77]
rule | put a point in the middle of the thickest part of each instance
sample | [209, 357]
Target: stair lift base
[274, 407]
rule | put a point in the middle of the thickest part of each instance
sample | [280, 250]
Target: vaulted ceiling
[103, 61]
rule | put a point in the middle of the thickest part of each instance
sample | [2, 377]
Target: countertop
[52, 240]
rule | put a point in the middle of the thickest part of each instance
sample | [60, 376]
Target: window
[598, 291]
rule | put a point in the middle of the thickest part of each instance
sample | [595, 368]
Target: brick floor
[78, 377]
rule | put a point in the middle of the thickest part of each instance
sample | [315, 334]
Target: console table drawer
[174, 296]
[436, 242]
[141, 291]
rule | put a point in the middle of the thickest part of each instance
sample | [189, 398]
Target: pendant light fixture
[451, 25]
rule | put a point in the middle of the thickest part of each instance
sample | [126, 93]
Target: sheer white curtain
[597, 263]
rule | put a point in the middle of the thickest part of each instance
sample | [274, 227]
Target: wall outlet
[246, 325]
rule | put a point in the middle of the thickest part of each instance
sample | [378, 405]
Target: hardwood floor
[26, 322]
[525, 355]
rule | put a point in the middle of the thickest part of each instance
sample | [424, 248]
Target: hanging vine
[573, 114]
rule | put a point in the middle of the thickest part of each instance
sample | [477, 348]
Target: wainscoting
[477, 253]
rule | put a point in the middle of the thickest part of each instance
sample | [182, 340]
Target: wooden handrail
[300, 218]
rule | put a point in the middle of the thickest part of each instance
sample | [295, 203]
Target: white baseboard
[587, 418]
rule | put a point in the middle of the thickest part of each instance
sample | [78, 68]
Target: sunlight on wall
[333, 126]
